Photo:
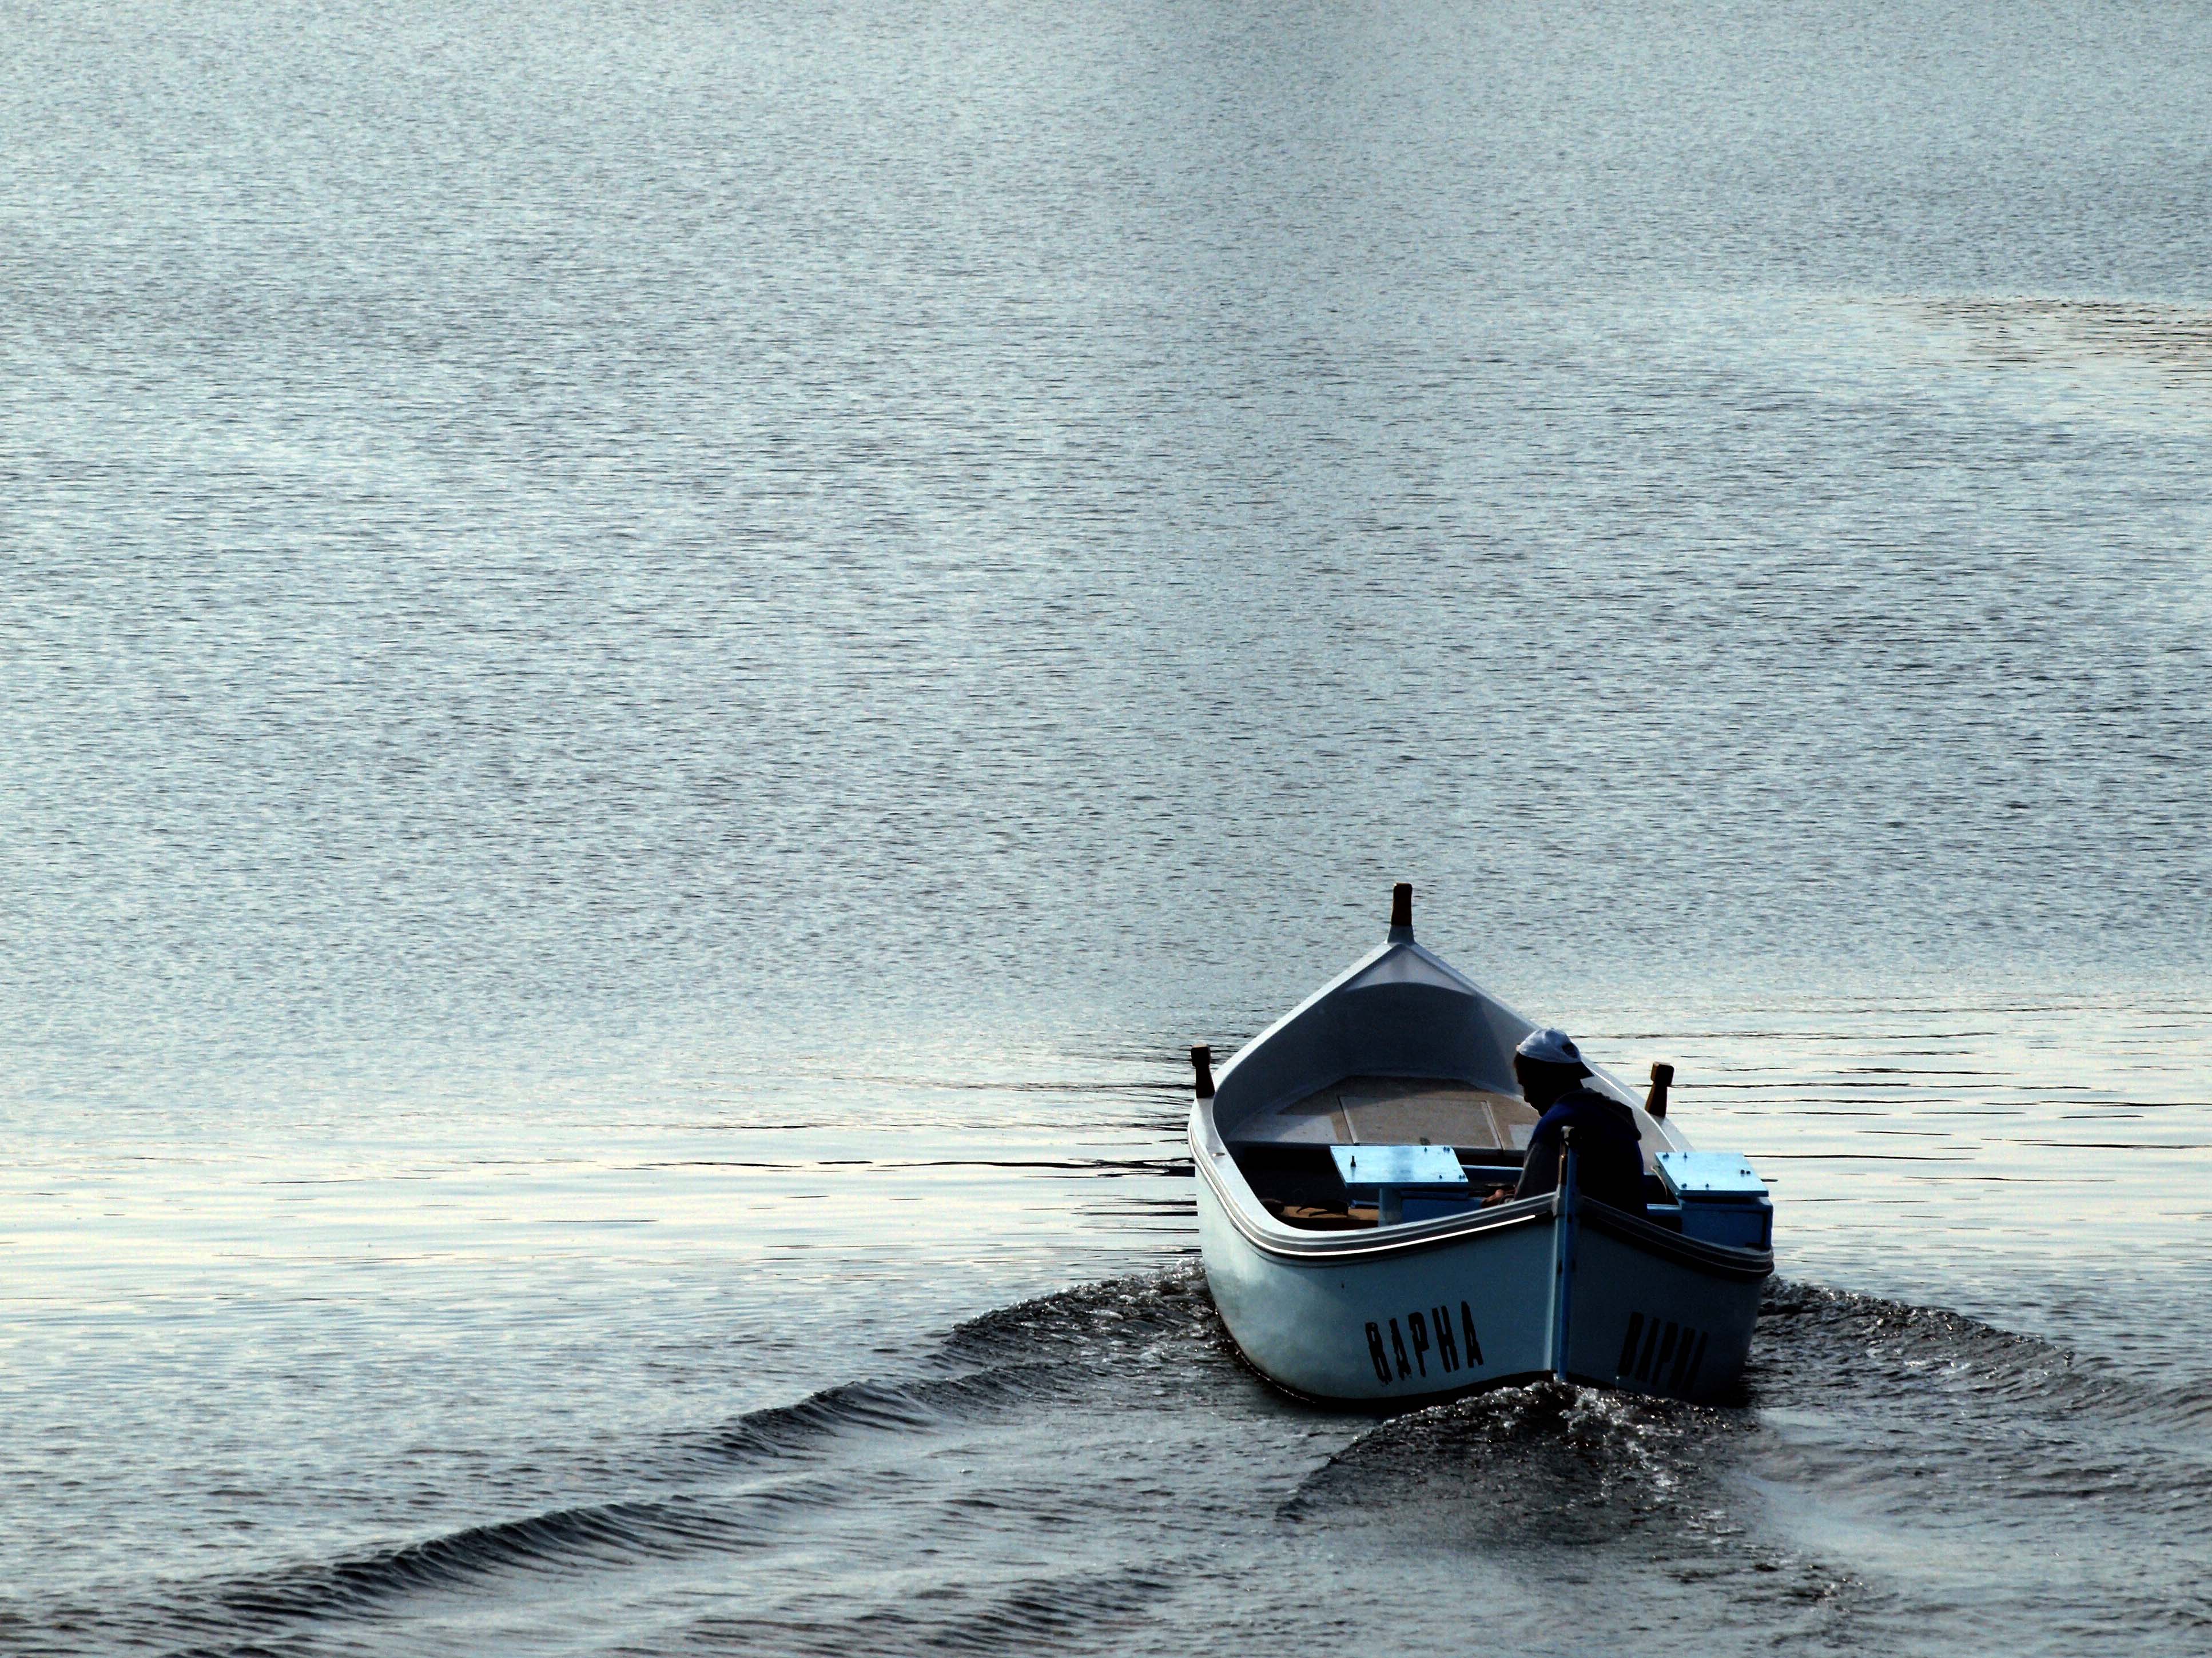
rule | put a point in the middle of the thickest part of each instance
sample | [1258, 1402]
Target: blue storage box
[1723, 1200]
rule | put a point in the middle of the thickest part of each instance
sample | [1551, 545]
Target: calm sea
[657, 659]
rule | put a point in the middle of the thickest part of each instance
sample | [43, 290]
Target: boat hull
[1657, 1313]
[1530, 1289]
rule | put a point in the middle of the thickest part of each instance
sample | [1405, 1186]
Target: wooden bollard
[1202, 1062]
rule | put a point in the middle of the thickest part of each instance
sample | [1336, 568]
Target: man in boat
[1608, 1158]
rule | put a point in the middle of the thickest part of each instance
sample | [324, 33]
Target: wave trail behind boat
[1048, 1474]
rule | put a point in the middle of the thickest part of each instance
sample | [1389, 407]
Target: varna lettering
[1662, 1355]
[1425, 1337]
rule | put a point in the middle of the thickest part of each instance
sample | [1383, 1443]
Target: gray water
[657, 660]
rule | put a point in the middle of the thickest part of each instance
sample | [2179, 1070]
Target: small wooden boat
[1343, 1156]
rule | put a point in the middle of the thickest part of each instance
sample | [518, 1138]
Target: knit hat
[1548, 1046]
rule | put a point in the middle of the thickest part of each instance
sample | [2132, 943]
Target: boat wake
[566, 1541]
[1547, 1463]
[1049, 1474]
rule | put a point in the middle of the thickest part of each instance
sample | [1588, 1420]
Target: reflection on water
[2173, 341]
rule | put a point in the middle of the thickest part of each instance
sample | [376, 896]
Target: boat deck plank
[1397, 1111]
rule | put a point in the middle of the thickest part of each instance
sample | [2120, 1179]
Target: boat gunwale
[1715, 1259]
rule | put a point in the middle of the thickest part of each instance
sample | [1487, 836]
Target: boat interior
[1418, 1058]
[1286, 1154]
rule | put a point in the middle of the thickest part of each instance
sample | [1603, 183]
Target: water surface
[658, 659]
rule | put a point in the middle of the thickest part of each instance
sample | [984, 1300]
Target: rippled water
[656, 660]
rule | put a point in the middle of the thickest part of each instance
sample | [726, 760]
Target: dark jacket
[1608, 1160]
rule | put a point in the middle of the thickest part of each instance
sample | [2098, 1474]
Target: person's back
[1608, 1150]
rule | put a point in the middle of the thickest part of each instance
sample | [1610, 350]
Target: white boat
[1343, 1156]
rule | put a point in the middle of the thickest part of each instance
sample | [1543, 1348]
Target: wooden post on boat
[1202, 1062]
[1401, 912]
[1663, 1075]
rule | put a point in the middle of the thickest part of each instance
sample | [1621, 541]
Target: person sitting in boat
[1608, 1158]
